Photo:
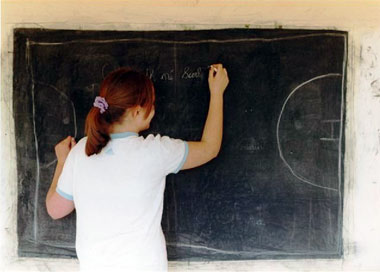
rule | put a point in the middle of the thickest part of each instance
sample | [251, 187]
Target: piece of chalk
[210, 66]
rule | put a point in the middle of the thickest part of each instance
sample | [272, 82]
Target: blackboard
[276, 189]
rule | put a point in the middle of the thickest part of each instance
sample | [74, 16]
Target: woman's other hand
[63, 148]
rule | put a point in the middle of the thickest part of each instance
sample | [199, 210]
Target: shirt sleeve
[172, 153]
[66, 179]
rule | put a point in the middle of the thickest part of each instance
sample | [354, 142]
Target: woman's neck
[120, 128]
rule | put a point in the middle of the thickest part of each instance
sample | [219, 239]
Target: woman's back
[118, 197]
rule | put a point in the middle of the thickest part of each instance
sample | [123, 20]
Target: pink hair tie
[101, 103]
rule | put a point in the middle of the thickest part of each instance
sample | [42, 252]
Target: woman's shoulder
[156, 138]
[159, 141]
[153, 137]
[80, 145]
[82, 142]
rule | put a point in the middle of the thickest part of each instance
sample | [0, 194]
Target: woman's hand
[217, 79]
[63, 148]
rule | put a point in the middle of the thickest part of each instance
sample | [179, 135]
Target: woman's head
[122, 90]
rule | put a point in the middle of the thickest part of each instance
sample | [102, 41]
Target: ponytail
[96, 131]
[121, 89]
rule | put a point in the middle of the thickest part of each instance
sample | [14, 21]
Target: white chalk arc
[297, 175]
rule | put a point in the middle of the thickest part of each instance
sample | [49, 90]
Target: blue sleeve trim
[65, 195]
[183, 159]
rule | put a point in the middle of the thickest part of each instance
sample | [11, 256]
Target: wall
[362, 173]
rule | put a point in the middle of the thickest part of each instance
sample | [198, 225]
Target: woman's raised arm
[208, 147]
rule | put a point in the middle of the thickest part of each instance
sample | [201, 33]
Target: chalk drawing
[49, 164]
[104, 72]
[340, 217]
[332, 130]
[297, 175]
[38, 165]
[67, 99]
[35, 210]
[254, 252]
[192, 42]
[309, 237]
[54, 244]
[93, 88]
[175, 68]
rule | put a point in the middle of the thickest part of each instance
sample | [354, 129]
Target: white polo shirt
[118, 197]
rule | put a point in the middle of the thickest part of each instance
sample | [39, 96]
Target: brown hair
[122, 89]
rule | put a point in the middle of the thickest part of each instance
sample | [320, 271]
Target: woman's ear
[139, 110]
[135, 111]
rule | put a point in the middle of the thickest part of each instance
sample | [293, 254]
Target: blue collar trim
[122, 135]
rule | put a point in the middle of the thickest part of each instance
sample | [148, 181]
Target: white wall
[362, 158]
